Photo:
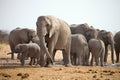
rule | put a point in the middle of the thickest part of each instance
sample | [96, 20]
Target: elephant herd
[76, 41]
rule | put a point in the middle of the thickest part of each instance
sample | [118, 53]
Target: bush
[3, 36]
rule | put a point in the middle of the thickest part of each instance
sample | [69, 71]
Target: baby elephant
[97, 49]
[79, 50]
[31, 50]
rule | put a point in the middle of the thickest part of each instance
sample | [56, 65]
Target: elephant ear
[31, 33]
[21, 48]
[51, 23]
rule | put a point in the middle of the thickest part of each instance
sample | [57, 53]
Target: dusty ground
[11, 70]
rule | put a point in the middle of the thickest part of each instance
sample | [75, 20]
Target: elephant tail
[9, 53]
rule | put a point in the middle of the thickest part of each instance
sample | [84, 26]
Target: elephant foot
[22, 64]
[117, 61]
[105, 63]
[101, 65]
[49, 65]
[30, 64]
[112, 62]
[68, 65]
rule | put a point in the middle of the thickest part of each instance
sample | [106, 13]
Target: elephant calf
[97, 48]
[31, 50]
[79, 50]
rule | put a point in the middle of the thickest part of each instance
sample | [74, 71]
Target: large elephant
[79, 50]
[84, 29]
[97, 48]
[117, 45]
[31, 50]
[107, 38]
[54, 34]
[20, 35]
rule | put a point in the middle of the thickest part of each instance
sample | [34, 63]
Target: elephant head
[91, 33]
[20, 48]
[32, 35]
[45, 28]
[107, 37]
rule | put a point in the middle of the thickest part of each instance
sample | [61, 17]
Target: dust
[11, 70]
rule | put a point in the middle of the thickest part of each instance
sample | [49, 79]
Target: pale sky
[102, 14]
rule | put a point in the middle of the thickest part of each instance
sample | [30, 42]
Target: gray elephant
[79, 50]
[97, 48]
[31, 50]
[107, 38]
[84, 29]
[19, 36]
[117, 45]
[54, 34]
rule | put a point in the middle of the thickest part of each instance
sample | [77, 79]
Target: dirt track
[11, 70]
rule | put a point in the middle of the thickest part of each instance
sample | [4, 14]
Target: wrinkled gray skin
[97, 49]
[117, 45]
[20, 36]
[54, 34]
[107, 38]
[31, 50]
[79, 50]
[88, 32]
[42, 61]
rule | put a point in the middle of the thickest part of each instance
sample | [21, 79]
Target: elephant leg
[106, 54]
[38, 59]
[22, 60]
[112, 53]
[34, 61]
[42, 60]
[79, 60]
[117, 57]
[50, 49]
[102, 59]
[91, 63]
[12, 51]
[31, 61]
[87, 59]
[117, 54]
[18, 55]
[54, 52]
[73, 58]
[66, 57]
[97, 60]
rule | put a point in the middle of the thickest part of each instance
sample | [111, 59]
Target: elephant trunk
[44, 48]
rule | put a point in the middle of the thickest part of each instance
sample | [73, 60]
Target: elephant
[107, 38]
[54, 34]
[117, 45]
[97, 49]
[31, 50]
[79, 50]
[20, 35]
[84, 29]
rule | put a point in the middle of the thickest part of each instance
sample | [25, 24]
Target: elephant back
[81, 28]
[117, 37]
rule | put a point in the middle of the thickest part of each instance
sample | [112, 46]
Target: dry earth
[11, 70]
